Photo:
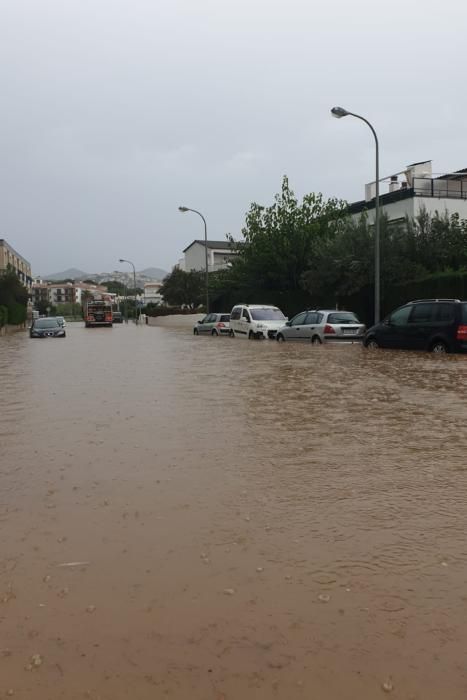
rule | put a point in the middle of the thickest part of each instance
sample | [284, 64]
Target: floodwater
[253, 520]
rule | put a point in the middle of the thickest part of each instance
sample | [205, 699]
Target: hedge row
[3, 316]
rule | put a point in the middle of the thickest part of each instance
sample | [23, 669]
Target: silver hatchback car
[320, 325]
[213, 324]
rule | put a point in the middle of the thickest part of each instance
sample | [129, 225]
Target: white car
[256, 321]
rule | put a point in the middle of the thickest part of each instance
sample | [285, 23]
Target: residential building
[9, 258]
[64, 292]
[415, 189]
[220, 255]
[152, 293]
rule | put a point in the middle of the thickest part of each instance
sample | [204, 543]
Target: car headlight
[61, 333]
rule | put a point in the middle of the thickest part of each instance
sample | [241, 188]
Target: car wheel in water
[316, 340]
[251, 335]
[214, 332]
[280, 338]
[195, 331]
[439, 346]
[371, 344]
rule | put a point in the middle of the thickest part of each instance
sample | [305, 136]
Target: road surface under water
[253, 520]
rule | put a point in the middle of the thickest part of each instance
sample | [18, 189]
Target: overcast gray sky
[114, 112]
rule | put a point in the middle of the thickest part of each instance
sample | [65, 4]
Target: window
[312, 317]
[270, 313]
[422, 313]
[299, 319]
[245, 315]
[444, 313]
[343, 317]
[401, 316]
[225, 318]
[235, 315]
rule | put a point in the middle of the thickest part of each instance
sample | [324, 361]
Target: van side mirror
[201, 320]
[288, 323]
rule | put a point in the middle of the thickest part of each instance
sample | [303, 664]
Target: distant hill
[154, 272]
[72, 274]
[150, 273]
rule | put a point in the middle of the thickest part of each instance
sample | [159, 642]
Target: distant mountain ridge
[73, 273]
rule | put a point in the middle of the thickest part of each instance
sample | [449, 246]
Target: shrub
[3, 316]
[16, 314]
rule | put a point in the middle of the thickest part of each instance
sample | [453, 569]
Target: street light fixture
[183, 210]
[122, 260]
[340, 112]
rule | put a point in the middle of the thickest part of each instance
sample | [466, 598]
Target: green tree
[14, 296]
[281, 241]
[182, 288]
[115, 287]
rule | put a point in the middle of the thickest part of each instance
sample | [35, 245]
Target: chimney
[394, 184]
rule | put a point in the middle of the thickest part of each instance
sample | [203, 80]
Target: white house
[414, 189]
[220, 254]
[152, 293]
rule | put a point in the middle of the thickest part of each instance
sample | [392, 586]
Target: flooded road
[197, 518]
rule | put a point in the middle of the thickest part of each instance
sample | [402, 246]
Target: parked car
[213, 324]
[304, 326]
[256, 321]
[117, 317]
[436, 325]
[46, 328]
[320, 325]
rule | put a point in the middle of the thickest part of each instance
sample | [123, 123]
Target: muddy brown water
[255, 520]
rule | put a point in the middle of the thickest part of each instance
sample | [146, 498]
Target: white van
[256, 321]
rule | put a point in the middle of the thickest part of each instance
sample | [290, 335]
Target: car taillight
[328, 329]
[221, 325]
[461, 332]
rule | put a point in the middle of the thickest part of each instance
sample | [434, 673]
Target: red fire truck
[98, 312]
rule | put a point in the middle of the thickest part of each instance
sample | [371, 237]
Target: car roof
[258, 306]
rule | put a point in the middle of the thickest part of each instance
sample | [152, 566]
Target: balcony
[450, 187]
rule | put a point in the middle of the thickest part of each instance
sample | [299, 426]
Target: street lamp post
[122, 260]
[184, 209]
[340, 112]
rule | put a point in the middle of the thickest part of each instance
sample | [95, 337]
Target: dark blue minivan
[436, 325]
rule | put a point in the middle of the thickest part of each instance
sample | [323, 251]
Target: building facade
[152, 293]
[64, 293]
[9, 258]
[414, 190]
[220, 255]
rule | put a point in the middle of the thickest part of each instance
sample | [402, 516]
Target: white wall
[217, 258]
[412, 206]
[195, 258]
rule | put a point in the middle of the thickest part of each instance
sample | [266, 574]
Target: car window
[235, 315]
[401, 316]
[312, 317]
[444, 313]
[298, 319]
[422, 313]
[343, 317]
[267, 314]
[245, 315]
[225, 318]
[46, 323]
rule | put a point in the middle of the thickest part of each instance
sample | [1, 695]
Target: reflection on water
[242, 519]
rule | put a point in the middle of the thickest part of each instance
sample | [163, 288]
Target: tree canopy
[182, 288]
